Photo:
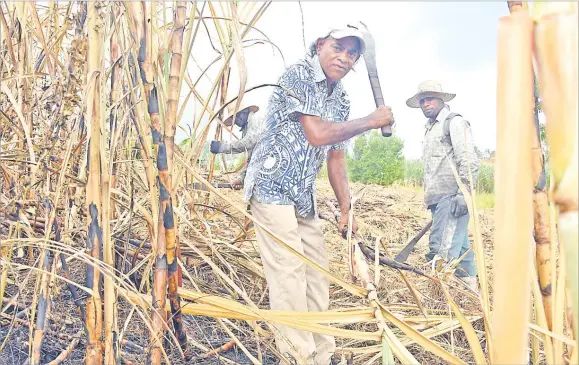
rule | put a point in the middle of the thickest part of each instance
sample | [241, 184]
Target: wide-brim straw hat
[344, 31]
[429, 88]
[231, 109]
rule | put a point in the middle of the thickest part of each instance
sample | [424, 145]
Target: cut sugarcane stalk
[540, 201]
[169, 219]
[514, 185]
[141, 14]
[93, 302]
[556, 53]
[44, 300]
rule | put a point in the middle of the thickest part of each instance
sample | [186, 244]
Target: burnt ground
[395, 214]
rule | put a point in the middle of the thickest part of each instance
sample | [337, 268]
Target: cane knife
[370, 60]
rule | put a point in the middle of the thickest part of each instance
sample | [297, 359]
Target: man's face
[431, 106]
[241, 118]
[337, 56]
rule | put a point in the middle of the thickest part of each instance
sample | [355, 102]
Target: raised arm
[321, 132]
[298, 91]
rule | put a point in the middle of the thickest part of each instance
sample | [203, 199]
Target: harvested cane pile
[114, 246]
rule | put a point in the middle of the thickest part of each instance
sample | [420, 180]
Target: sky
[452, 42]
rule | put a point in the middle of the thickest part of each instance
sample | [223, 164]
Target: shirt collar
[442, 115]
[319, 75]
[317, 69]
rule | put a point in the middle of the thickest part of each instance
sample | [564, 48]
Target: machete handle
[379, 99]
[386, 131]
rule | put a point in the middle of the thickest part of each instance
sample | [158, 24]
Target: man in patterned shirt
[447, 142]
[251, 128]
[306, 122]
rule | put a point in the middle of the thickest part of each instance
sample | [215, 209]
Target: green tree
[376, 159]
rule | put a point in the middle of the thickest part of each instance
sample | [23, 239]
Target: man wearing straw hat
[250, 127]
[447, 143]
[306, 123]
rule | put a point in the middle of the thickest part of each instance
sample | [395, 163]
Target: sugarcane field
[292, 183]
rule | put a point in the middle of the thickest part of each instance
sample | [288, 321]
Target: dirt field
[395, 214]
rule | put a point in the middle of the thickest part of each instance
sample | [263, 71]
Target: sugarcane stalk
[77, 81]
[559, 308]
[111, 348]
[165, 207]
[144, 56]
[224, 348]
[540, 316]
[543, 250]
[93, 302]
[514, 214]
[540, 199]
[174, 80]
[160, 266]
[556, 38]
[569, 311]
[153, 110]
[44, 303]
[139, 14]
[169, 218]
[143, 134]
[114, 98]
[22, 41]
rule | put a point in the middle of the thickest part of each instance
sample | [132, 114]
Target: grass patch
[485, 200]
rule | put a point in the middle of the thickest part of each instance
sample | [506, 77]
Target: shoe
[471, 282]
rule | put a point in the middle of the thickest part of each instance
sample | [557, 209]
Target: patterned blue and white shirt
[284, 165]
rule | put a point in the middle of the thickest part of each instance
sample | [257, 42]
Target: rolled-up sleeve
[464, 152]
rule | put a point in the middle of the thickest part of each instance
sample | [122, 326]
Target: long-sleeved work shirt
[439, 180]
[249, 137]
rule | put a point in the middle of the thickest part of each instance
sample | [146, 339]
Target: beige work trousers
[294, 285]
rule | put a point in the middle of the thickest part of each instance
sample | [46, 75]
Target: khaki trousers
[293, 285]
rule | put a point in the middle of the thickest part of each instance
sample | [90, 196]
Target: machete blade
[403, 255]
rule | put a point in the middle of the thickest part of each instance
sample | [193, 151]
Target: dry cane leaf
[239, 56]
[469, 331]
